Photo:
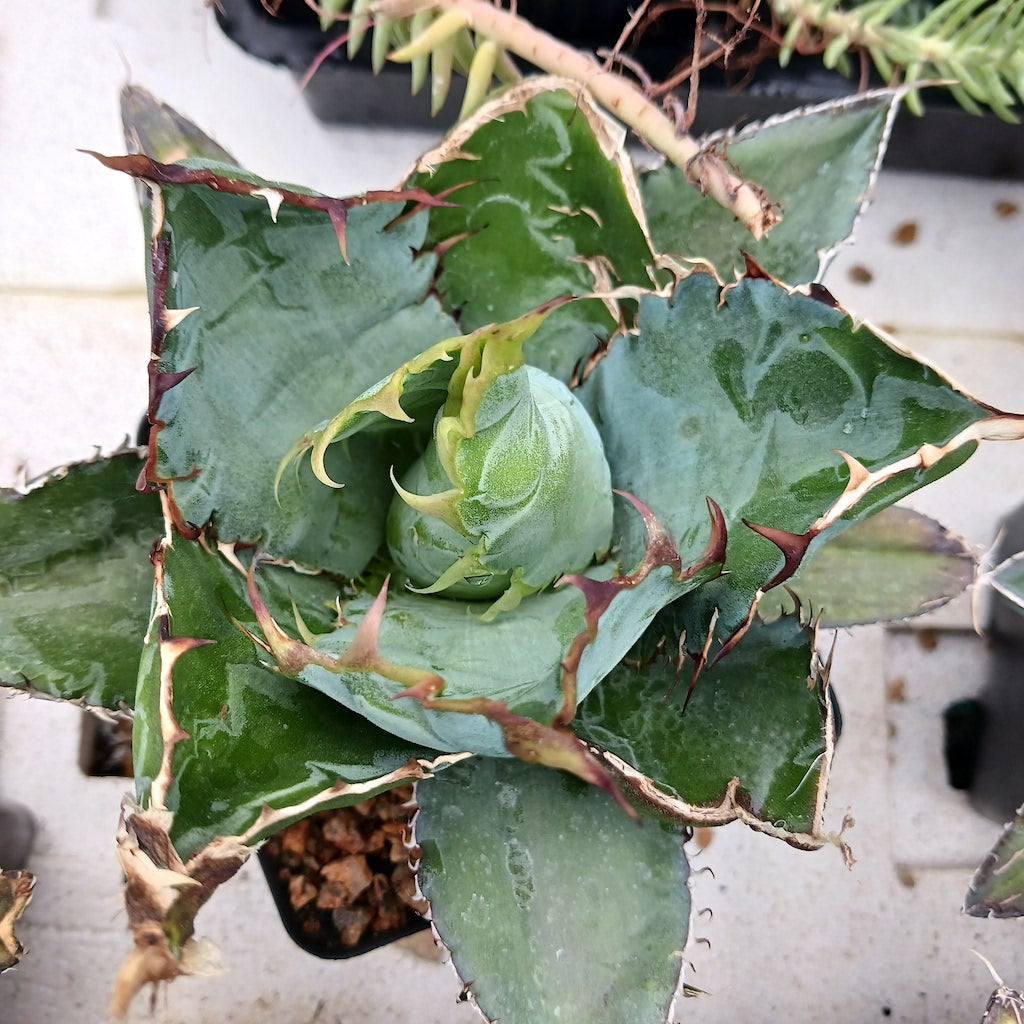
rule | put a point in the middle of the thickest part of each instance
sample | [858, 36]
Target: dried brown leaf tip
[163, 894]
[15, 894]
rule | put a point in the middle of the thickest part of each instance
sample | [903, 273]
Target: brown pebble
[300, 891]
[352, 873]
[390, 913]
[293, 838]
[351, 922]
[343, 831]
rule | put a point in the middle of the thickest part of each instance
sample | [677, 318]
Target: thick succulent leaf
[76, 582]
[894, 565]
[252, 736]
[819, 163]
[283, 333]
[416, 389]
[515, 659]
[761, 391]
[555, 905]
[997, 889]
[159, 131]
[545, 206]
[760, 716]
[1008, 580]
[519, 659]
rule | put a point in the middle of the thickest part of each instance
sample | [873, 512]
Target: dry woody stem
[704, 168]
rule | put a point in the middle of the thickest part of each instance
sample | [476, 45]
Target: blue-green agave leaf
[895, 565]
[819, 163]
[556, 906]
[792, 418]
[545, 205]
[263, 325]
[76, 582]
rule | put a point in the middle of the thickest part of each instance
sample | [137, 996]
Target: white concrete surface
[794, 936]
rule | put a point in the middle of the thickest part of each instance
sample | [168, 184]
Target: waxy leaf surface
[818, 163]
[545, 206]
[759, 715]
[752, 394]
[76, 582]
[556, 906]
[517, 659]
[894, 565]
[254, 735]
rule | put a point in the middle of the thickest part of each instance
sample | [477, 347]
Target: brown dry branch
[618, 95]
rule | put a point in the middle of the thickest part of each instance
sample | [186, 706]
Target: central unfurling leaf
[512, 492]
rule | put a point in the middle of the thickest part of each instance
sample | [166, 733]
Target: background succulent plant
[746, 421]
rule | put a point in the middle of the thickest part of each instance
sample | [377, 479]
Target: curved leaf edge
[466, 994]
[225, 180]
[170, 649]
[997, 425]
[28, 488]
[554, 744]
[645, 793]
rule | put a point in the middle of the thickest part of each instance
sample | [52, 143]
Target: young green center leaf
[512, 499]
[512, 490]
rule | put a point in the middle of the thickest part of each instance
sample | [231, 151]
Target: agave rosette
[621, 464]
[470, 468]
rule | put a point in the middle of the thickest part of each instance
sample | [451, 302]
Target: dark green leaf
[76, 582]
[758, 715]
[254, 736]
[894, 565]
[818, 163]
[557, 907]
[752, 393]
[545, 205]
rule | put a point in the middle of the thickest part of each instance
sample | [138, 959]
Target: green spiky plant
[485, 482]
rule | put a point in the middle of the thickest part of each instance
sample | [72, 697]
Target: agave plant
[483, 482]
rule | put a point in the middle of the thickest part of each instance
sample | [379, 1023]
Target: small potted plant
[522, 481]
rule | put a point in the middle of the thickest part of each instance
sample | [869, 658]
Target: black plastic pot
[320, 930]
[997, 782]
[946, 139]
